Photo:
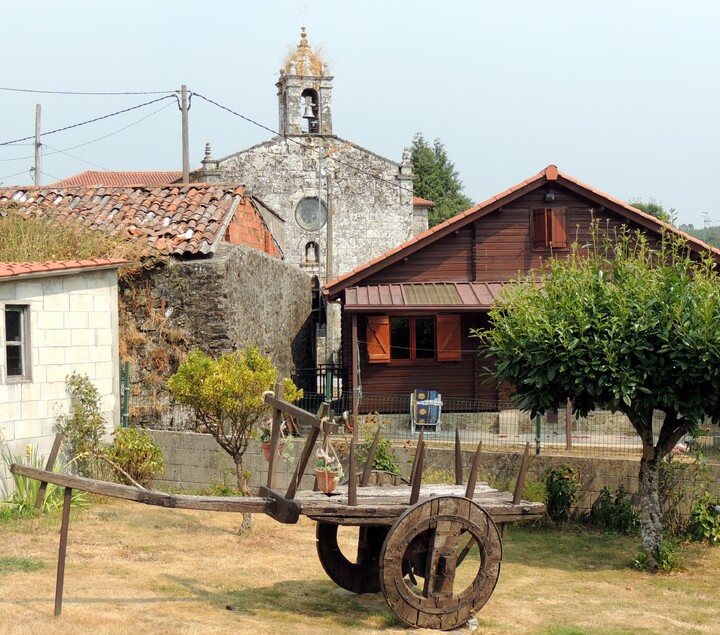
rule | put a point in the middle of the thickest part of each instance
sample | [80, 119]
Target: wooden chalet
[407, 315]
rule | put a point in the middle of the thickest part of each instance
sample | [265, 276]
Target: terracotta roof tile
[191, 219]
[118, 179]
[422, 202]
[14, 269]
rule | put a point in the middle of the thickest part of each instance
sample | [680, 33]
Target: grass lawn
[138, 569]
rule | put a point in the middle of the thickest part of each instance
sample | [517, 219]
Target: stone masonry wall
[240, 297]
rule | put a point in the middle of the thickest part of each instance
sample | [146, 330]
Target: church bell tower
[304, 93]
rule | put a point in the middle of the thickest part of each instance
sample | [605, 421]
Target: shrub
[84, 426]
[561, 486]
[135, 452]
[705, 519]
[613, 512]
[665, 558]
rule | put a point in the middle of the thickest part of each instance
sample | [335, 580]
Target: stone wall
[240, 297]
[193, 461]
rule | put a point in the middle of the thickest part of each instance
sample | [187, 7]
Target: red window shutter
[540, 232]
[378, 338]
[558, 228]
[449, 338]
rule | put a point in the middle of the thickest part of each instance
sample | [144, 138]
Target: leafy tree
[655, 208]
[437, 180]
[226, 395]
[622, 326]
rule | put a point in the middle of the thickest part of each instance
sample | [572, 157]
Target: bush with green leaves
[84, 426]
[561, 487]
[613, 511]
[704, 522]
[136, 453]
[665, 558]
[226, 395]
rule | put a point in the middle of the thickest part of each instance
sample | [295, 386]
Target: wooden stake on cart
[60, 579]
[52, 457]
[472, 479]
[370, 459]
[352, 480]
[458, 459]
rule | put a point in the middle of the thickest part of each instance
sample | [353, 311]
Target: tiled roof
[94, 178]
[171, 219]
[422, 202]
[551, 173]
[15, 269]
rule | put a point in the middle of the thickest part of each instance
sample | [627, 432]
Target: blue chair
[425, 409]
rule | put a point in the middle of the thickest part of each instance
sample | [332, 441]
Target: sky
[623, 95]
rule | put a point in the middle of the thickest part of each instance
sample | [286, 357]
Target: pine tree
[437, 180]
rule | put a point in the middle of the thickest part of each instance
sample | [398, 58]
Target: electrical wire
[77, 125]
[9, 176]
[300, 143]
[87, 143]
[77, 159]
[70, 92]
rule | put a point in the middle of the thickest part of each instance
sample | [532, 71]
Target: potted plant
[266, 435]
[328, 471]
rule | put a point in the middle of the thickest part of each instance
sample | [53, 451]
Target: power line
[300, 143]
[77, 159]
[87, 143]
[76, 125]
[9, 176]
[70, 92]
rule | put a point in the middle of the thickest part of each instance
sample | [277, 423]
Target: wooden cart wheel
[361, 576]
[440, 562]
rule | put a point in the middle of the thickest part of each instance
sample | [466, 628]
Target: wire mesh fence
[498, 425]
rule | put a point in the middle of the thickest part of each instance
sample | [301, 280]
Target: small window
[16, 344]
[549, 228]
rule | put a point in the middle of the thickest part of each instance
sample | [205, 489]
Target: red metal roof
[423, 296]
[170, 219]
[17, 269]
[94, 178]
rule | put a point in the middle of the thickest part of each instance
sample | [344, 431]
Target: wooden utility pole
[185, 139]
[38, 158]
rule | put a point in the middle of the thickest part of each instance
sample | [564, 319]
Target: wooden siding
[449, 259]
[463, 379]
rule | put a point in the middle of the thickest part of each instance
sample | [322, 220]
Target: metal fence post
[126, 396]
[538, 425]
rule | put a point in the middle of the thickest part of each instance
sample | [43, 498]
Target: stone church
[336, 204]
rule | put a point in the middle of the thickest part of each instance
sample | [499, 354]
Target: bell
[309, 112]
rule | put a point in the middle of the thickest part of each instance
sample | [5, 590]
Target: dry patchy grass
[132, 568]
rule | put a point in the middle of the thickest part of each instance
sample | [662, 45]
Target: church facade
[338, 204]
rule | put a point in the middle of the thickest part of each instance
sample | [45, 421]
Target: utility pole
[38, 158]
[185, 139]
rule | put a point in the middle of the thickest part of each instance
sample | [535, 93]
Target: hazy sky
[624, 95]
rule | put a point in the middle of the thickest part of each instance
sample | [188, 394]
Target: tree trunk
[651, 529]
[247, 521]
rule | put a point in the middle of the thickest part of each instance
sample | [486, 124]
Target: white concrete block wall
[73, 327]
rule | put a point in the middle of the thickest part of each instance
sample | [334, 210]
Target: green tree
[437, 180]
[654, 208]
[226, 395]
[621, 326]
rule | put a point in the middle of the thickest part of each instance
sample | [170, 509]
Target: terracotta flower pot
[326, 481]
[266, 449]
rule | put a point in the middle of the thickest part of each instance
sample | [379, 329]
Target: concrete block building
[57, 318]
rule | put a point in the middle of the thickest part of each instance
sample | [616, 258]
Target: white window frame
[23, 344]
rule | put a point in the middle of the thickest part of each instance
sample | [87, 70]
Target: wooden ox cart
[434, 551]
